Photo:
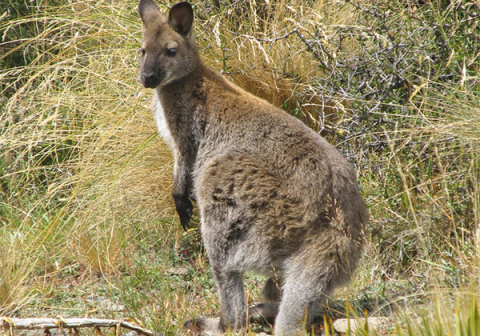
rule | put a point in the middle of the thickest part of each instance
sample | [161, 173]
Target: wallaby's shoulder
[226, 98]
[220, 88]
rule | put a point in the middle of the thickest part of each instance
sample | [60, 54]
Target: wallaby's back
[291, 183]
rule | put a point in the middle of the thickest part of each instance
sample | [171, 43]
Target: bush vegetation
[86, 215]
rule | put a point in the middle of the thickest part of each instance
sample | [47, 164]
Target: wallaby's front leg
[182, 190]
[233, 314]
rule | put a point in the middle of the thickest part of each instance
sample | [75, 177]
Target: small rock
[134, 333]
[105, 303]
[178, 270]
[341, 325]
[92, 298]
[131, 333]
[111, 306]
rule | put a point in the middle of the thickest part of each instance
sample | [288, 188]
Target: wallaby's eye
[142, 51]
[171, 52]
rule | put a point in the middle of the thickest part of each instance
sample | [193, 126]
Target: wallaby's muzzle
[150, 80]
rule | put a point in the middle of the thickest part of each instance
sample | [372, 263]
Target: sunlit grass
[81, 159]
[86, 181]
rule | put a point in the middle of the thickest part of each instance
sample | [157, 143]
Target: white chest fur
[162, 125]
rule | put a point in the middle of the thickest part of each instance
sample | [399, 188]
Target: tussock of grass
[80, 159]
[14, 271]
[85, 181]
[440, 319]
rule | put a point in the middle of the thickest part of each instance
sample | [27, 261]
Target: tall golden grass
[85, 174]
[82, 158]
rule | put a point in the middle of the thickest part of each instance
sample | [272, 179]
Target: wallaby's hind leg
[302, 300]
[267, 310]
[271, 290]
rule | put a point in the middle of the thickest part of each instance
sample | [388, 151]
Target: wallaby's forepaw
[263, 312]
[209, 326]
[184, 209]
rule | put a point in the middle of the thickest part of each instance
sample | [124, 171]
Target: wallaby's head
[168, 51]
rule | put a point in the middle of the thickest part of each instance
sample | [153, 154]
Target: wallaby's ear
[147, 10]
[181, 17]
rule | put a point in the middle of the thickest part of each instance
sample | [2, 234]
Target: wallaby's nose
[150, 80]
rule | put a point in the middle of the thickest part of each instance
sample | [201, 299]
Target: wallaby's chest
[161, 120]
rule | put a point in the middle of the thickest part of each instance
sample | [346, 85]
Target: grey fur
[274, 197]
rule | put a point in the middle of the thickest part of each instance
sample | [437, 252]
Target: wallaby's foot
[263, 312]
[206, 325]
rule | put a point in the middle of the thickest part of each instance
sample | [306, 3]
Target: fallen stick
[74, 322]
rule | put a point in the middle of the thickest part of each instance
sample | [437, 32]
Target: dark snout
[150, 79]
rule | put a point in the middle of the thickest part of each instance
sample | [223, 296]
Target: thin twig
[293, 31]
[309, 44]
[311, 48]
[60, 322]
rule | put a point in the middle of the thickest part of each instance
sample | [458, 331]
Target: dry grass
[81, 155]
[15, 269]
[85, 181]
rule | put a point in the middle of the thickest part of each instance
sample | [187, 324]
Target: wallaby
[274, 197]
